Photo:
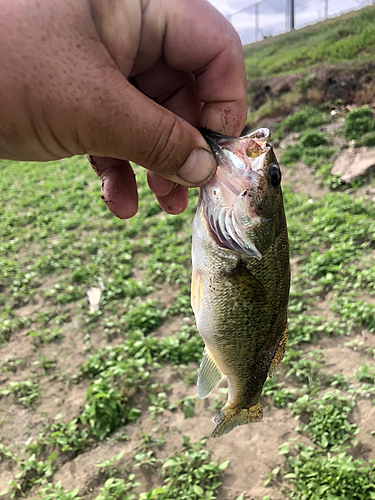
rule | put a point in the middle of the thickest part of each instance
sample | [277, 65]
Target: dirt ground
[252, 450]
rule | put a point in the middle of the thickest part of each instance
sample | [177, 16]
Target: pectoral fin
[209, 375]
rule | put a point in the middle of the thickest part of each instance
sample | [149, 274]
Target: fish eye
[275, 175]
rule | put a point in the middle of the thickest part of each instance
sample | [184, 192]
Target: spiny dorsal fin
[209, 375]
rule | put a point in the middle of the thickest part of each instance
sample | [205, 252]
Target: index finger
[200, 40]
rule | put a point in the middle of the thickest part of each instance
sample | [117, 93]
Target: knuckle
[162, 155]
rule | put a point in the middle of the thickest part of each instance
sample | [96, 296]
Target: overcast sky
[274, 18]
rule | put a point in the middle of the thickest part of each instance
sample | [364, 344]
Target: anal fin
[209, 375]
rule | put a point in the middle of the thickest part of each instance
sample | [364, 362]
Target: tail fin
[229, 418]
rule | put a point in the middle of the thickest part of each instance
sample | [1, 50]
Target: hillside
[348, 39]
[332, 63]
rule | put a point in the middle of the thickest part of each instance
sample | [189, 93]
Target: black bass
[241, 275]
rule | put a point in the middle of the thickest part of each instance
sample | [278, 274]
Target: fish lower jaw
[230, 417]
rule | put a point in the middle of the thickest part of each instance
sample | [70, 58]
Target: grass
[334, 41]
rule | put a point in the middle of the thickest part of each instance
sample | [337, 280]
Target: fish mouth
[228, 199]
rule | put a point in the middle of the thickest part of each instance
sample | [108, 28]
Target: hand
[120, 80]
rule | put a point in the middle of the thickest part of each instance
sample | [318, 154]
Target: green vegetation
[328, 424]
[190, 475]
[127, 369]
[358, 122]
[323, 477]
[26, 392]
[305, 118]
[347, 38]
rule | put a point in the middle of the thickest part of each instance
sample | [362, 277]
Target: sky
[273, 17]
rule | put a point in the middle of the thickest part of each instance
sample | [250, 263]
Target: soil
[336, 85]
[252, 450]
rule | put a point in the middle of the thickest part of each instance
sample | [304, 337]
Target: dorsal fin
[209, 375]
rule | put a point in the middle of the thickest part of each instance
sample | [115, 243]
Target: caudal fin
[229, 418]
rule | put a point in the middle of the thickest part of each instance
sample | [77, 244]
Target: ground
[100, 405]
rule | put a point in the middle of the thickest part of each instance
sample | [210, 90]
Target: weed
[358, 122]
[328, 424]
[26, 392]
[62, 293]
[56, 491]
[159, 403]
[368, 140]
[107, 407]
[188, 476]
[303, 119]
[281, 396]
[315, 476]
[362, 313]
[110, 464]
[187, 404]
[7, 454]
[66, 437]
[46, 336]
[118, 489]
[305, 367]
[144, 316]
[312, 139]
[11, 365]
[31, 473]
[297, 51]
[146, 457]
[311, 156]
[365, 374]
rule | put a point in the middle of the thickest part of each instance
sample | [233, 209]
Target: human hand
[120, 80]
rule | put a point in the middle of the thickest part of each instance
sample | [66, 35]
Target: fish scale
[239, 300]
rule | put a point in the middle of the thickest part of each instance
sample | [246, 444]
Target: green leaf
[53, 456]
[188, 410]
[198, 490]
[224, 465]
[186, 440]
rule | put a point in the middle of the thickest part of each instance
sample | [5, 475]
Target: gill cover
[233, 199]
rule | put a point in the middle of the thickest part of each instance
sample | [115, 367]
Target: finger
[123, 123]
[200, 40]
[175, 202]
[158, 185]
[174, 90]
[193, 37]
[118, 185]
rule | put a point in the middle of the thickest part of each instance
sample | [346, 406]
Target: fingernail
[198, 167]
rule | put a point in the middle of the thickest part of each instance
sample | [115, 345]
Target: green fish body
[241, 275]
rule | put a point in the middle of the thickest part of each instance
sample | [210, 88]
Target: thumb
[130, 126]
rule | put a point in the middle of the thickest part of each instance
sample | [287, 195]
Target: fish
[240, 275]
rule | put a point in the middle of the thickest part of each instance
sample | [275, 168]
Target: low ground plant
[314, 475]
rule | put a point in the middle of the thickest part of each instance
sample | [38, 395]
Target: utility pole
[256, 21]
[291, 15]
[326, 10]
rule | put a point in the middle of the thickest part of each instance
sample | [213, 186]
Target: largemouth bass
[241, 275]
